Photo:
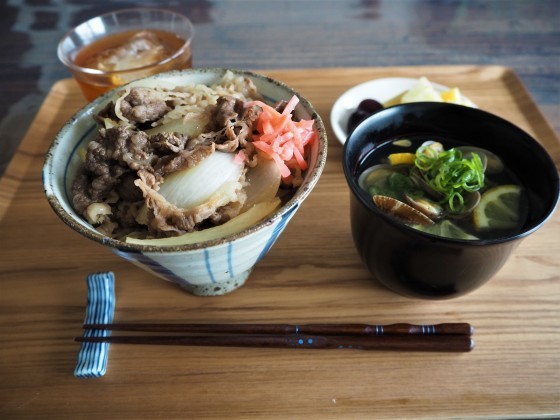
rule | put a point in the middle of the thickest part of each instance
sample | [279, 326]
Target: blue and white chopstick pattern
[93, 357]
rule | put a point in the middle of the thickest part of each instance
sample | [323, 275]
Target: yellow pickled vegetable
[401, 158]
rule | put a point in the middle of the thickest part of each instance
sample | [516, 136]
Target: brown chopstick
[435, 343]
[461, 328]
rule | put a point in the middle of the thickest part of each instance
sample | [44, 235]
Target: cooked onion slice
[263, 182]
[190, 127]
[235, 225]
[194, 186]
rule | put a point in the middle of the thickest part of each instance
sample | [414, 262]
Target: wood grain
[312, 274]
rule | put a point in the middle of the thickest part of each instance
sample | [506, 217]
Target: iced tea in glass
[116, 48]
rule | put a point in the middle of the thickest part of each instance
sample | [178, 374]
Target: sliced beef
[124, 166]
[121, 144]
[229, 111]
[226, 213]
[143, 105]
[108, 111]
[80, 187]
[167, 143]
[182, 160]
[126, 189]
[225, 111]
[115, 153]
[230, 125]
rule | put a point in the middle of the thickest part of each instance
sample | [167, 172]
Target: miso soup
[445, 188]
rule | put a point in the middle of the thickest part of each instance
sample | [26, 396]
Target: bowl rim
[362, 196]
[310, 180]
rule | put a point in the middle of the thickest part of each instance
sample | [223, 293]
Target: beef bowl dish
[441, 194]
[191, 175]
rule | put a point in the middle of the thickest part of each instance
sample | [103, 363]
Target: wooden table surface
[312, 274]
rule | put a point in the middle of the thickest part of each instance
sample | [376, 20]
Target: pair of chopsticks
[449, 337]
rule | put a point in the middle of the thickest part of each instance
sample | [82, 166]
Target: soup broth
[459, 224]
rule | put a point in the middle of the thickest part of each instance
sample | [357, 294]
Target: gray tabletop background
[267, 34]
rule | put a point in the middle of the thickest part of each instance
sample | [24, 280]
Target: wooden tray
[312, 274]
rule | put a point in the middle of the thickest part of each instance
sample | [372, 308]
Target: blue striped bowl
[210, 268]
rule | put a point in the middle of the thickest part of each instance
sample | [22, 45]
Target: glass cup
[118, 47]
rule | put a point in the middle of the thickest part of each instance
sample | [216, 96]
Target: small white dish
[379, 89]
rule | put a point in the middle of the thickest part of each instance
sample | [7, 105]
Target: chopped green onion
[450, 174]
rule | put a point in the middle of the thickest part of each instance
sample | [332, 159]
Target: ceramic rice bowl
[210, 268]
